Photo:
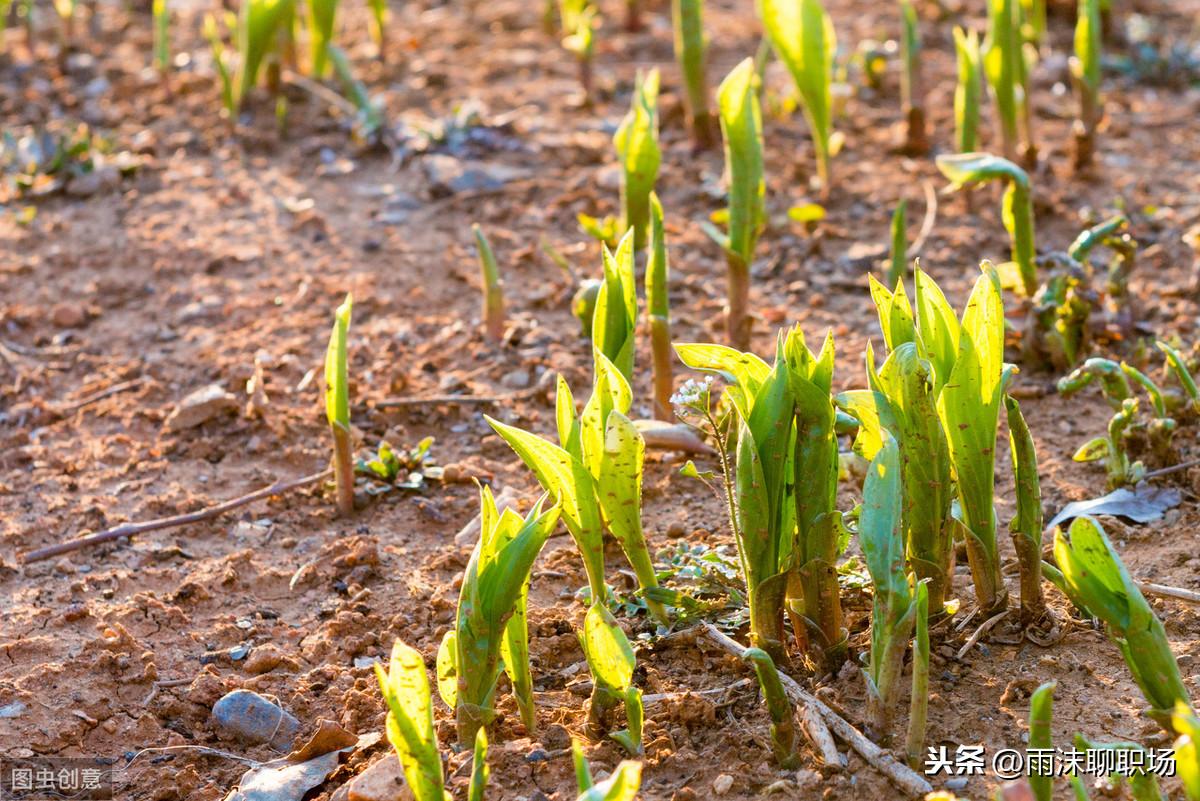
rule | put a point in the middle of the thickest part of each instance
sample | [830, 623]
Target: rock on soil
[201, 406]
[247, 716]
[383, 781]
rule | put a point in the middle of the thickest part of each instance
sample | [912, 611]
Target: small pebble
[248, 716]
[722, 783]
[676, 530]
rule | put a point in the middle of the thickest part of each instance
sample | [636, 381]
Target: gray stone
[449, 175]
[251, 718]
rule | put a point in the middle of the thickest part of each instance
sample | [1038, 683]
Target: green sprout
[614, 319]
[918, 709]
[1187, 749]
[622, 785]
[1001, 55]
[1041, 714]
[903, 398]
[379, 21]
[1114, 381]
[1183, 375]
[1095, 579]
[912, 97]
[493, 287]
[256, 35]
[322, 18]
[494, 585]
[967, 92]
[817, 612]
[741, 127]
[368, 116]
[579, 20]
[658, 309]
[783, 726]
[337, 407]
[1111, 234]
[802, 36]
[636, 141]
[596, 474]
[1085, 76]
[612, 662]
[894, 606]
[759, 507]
[1017, 210]
[583, 305]
[687, 19]
[1111, 449]
[410, 730]
[162, 35]
[1026, 525]
[898, 260]
[480, 773]
[1117, 382]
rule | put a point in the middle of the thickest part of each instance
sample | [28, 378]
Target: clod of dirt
[201, 406]
[249, 717]
[383, 781]
[264, 659]
[68, 315]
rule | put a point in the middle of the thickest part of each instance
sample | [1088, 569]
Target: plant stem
[664, 381]
[343, 469]
[738, 322]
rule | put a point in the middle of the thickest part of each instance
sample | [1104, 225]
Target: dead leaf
[1141, 505]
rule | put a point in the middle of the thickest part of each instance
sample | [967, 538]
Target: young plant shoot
[802, 36]
[658, 308]
[1085, 76]
[1187, 749]
[783, 726]
[1026, 525]
[579, 20]
[614, 319]
[813, 595]
[379, 22]
[337, 408]
[912, 94]
[687, 19]
[1001, 50]
[636, 141]
[959, 367]
[494, 585]
[741, 128]
[480, 773]
[918, 704]
[898, 260]
[596, 474]
[1178, 366]
[904, 399]
[256, 38]
[410, 722]
[1017, 211]
[1041, 715]
[611, 659]
[493, 287]
[968, 91]
[162, 35]
[894, 606]
[1110, 449]
[758, 485]
[322, 18]
[622, 785]
[1095, 579]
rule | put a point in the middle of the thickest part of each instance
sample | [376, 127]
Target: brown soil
[212, 256]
